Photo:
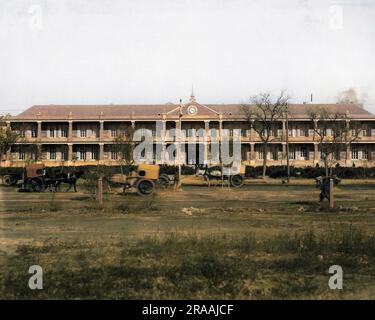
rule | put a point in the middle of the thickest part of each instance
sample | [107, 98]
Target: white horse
[207, 175]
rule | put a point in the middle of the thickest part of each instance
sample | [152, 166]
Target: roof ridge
[154, 110]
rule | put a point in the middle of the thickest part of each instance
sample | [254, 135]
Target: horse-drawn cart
[144, 179]
[11, 178]
[36, 178]
[233, 175]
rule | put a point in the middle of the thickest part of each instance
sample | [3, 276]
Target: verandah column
[8, 155]
[284, 133]
[70, 151]
[164, 153]
[283, 145]
[347, 154]
[70, 130]
[39, 130]
[164, 130]
[206, 140]
[372, 152]
[178, 126]
[220, 137]
[252, 152]
[101, 151]
[347, 151]
[316, 152]
[101, 130]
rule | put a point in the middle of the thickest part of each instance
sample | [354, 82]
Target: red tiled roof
[153, 112]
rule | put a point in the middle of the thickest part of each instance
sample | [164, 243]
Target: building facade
[84, 135]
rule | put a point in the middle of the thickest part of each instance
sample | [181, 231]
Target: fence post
[99, 196]
[331, 200]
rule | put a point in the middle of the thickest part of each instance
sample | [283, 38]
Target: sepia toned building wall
[82, 135]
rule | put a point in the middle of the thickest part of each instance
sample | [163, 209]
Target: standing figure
[324, 184]
[176, 181]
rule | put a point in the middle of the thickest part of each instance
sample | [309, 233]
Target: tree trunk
[122, 167]
[326, 165]
[264, 159]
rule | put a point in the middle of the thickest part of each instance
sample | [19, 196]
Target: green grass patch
[189, 266]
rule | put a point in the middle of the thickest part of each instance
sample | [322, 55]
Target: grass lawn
[263, 241]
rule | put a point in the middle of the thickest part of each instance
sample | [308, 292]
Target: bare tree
[333, 135]
[7, 137]
[264, 114]
[33, 150]
[124, 146]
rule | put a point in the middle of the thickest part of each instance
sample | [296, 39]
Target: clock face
[192, 110]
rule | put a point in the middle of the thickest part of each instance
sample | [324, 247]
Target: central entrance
[195, 153]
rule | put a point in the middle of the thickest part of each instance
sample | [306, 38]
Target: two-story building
[77, 135]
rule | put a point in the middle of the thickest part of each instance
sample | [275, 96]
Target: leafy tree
[8, 137]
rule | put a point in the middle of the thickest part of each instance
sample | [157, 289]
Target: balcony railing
[246, 136]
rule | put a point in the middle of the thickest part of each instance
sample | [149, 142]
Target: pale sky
[153, 51]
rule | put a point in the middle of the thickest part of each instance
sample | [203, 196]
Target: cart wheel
[236, 181]
[34, 185]
[145, 187]
[164, 181]
[9, 180]
[28, 185]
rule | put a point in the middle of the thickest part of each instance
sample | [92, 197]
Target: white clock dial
[192, 110]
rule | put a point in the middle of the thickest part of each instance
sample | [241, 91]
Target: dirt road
[262, 209]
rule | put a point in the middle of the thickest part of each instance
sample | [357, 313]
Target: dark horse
[68, 178]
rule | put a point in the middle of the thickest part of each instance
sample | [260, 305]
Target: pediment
[194, 110]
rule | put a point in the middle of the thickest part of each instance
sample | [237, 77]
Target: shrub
[278, 172]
